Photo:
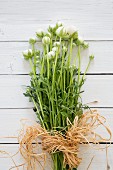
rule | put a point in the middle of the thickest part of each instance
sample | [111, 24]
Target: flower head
[61, 31]
[59, 24]
[52, 28]
[71, 30]
[64, 48]
[91, 57]
[32, 40]
[55, 49]
[28, 54]
[51, 54]
[56, 44]
[48, 34]
[46, 40]
[40, 33]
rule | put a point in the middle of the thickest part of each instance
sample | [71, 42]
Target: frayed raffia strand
[81, 131]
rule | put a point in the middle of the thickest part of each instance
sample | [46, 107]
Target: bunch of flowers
[56, 87]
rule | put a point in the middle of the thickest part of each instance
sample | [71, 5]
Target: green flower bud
[61, 31]
[48, 34]
[32, 40]
[46, 40]
[59, 24]
[80, 41]
[55, 49]
[85, 45]
[28, 54]
[64, 49]
[91, 57]
[52, 28]
[56, 44]
[51, 54]
[40, 33]
[71, 30]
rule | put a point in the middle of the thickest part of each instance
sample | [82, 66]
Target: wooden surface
[19, 20]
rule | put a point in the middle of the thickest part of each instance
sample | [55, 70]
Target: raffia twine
[81, 131]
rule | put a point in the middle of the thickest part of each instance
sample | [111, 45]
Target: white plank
[97, 88]
[20, 19]
[10, 122]
[11, 62]
[86, 152]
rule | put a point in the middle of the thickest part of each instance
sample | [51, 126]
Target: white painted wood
[11, 61]
[97, 88]
[86, 152]
[10, 122]
[20, 19]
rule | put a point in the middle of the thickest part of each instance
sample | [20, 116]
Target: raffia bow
[81, 131]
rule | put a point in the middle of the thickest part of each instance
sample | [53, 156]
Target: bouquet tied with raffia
[55, 89]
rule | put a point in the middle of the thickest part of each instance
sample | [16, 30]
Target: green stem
[38, 95]
[47, 61]
[79, 64]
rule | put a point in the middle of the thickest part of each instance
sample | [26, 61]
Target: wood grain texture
[97, 88]
[11, 61]
[11, 122]
[20, 19]
[86, 152]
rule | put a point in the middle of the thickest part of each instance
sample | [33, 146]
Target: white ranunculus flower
[61, 31]
[46, 40]
[71, 29]
[51, 54]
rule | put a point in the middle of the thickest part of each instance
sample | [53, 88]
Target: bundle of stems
[56, 84]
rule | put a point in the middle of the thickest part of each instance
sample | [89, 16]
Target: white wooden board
[11, 61]
[86, 152]
[20, 19]
[97, 87]
[11, 122]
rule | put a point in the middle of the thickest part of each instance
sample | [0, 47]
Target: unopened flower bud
[48, 34]
[59, 24]
[71, 30]
[64, 49]
[51, 54]
[91, 57]
[28, 54]
[46, 40]
[80, 39]
[61, 31]
[55, 49]
[40, 33]
[85, 45]
[32, 40]
[51, 28]
[56, 44]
